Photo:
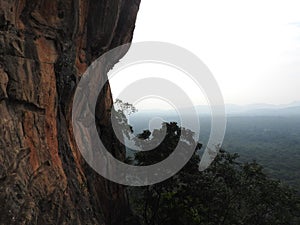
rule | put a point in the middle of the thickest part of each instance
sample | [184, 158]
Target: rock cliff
[45, 46]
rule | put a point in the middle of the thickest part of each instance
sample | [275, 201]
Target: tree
[228, 192]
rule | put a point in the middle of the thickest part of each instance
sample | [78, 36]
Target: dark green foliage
[172, 134]
[228, 192]
[272, 141]
[120, 111]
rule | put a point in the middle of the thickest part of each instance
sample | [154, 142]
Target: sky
[251, 47]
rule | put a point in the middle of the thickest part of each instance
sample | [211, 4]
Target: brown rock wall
[45, 46]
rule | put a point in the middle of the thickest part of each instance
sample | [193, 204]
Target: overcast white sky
[251, 47]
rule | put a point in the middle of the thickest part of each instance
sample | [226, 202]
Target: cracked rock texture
[45, 46]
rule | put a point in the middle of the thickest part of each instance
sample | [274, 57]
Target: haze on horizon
[252, 48]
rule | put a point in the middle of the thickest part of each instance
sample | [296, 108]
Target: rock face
[45, 46]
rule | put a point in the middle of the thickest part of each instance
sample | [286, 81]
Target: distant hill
[292, 109]
[260, 109]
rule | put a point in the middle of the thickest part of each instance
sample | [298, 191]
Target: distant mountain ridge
[292, 109]
[258, 109]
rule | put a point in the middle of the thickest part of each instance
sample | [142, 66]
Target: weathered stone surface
[45, 46]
